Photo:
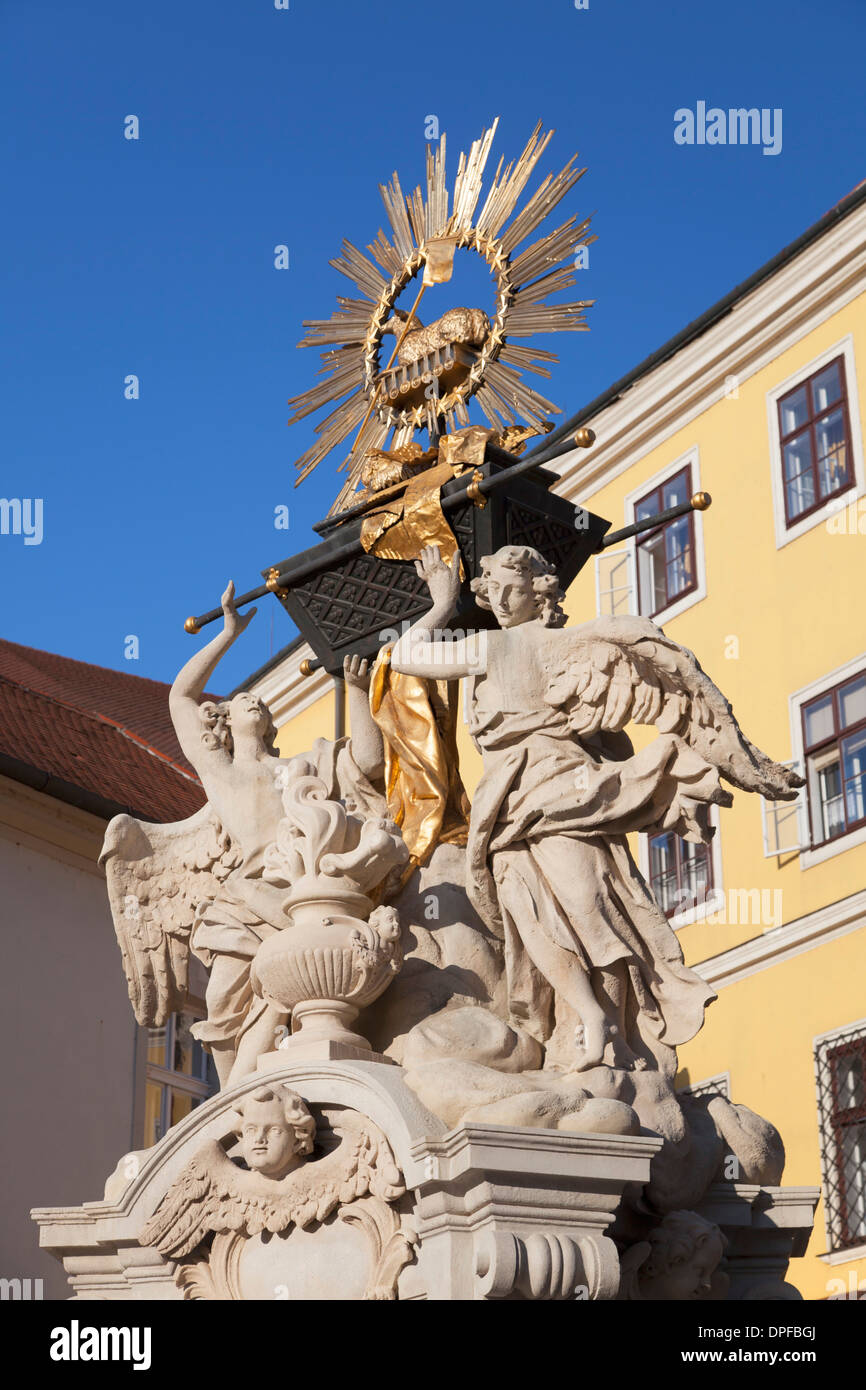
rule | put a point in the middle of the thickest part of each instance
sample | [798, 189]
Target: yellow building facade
[761, 404]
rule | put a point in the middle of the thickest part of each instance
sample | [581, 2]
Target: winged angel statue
[278, 1181]
[549, 865]
[198, 884]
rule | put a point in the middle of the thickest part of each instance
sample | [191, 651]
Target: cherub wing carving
[619, 669]
[157, 877]
[214, 1194]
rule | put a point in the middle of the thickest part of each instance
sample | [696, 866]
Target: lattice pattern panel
[840, 1068]
[462, 523]
[363, 597]
[553, 538]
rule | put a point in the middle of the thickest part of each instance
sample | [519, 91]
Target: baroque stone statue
[446, 1052]
[549, 862]
[202, 884]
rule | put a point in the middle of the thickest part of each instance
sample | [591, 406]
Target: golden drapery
[401, 528]
[426, 797]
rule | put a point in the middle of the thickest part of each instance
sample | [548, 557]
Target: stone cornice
[47, 825]
[783, 943]
[765, 323]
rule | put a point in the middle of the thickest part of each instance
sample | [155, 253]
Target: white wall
[67, 1032]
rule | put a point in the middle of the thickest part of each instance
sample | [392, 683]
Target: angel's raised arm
[189, 685]
[419, 652]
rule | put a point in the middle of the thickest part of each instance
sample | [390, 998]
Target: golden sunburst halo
[351, 338]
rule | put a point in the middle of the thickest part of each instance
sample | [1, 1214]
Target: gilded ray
[373, 404]
[527, 359]
[504, 194]
[395, 206]
[356, 266]
[386, 254]
[469, 177]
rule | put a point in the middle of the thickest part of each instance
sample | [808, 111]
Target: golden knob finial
[305, 668]
[273, 582]
[700, 501]
[584, 437]
[191, 626]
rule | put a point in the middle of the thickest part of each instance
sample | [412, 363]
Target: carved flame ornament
[338, 953]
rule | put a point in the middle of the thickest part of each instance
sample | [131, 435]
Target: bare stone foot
[591, 1040]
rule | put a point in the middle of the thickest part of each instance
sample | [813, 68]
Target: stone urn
[337, 952]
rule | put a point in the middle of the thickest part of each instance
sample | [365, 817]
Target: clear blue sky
[260, 126]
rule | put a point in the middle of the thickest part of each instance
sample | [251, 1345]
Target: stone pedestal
[765, 1227]
[480, 1212]
[506, 1212]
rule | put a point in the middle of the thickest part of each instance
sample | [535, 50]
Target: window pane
[651, 574]
[648, 506]
[156, 1045]
[853, 1145]
[826, 387]
[153, 1113]
[695, 872]
[793, 410]
[831, 800]
[799, 484]
[675, 492]
[819, 721]
[663, 872]
[832, 453]
[209, 1072]
[184, 1045]
[849, 1077]
[852, 702]
[680, 570]
[181, 1105]
[854, 764]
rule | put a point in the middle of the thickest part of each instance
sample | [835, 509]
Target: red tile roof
[102, 739]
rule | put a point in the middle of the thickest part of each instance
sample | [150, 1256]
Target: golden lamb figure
[470, 326]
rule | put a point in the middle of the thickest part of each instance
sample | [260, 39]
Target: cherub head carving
[275, 1129]
[685, 1252]
[518, 586]
[243, 714]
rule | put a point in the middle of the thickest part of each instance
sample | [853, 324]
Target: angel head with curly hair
[275, 1129]
[517, 585]
[245, 713]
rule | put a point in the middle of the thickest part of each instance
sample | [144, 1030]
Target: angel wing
[361, 1164]
[157, 876]
[205, 1197]
[213, 1193]
[616, 670]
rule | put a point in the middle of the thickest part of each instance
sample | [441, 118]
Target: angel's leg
[223, 1053]
[564, 971]
[260, 1037]
[610, 983]
[611, 987]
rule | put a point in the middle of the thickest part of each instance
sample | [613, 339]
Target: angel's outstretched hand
[442, 581]
[234, 622]
[356, 672]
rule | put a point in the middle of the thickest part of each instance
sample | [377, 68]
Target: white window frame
[834, 1254]
[692, 458]
[625, 557]
[810, 857]
[167, 1077]
[796, 811]
[715, 902]
[784, 533]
